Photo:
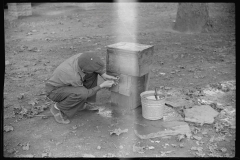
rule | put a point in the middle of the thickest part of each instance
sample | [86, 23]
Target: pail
[152, 109]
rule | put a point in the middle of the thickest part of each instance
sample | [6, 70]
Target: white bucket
[152, 109]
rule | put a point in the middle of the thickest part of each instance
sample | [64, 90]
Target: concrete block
[162, 129]
[200, 114]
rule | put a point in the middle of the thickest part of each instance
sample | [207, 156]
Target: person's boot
[58, 115]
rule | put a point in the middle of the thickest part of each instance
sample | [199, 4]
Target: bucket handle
[156, 94]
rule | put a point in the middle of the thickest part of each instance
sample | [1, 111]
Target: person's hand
[107, 84]
[108, 77]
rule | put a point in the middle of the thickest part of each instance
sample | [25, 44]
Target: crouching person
[74, 83]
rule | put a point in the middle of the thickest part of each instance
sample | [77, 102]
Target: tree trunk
[191, 17]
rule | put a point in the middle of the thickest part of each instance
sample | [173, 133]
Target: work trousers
[71, 99]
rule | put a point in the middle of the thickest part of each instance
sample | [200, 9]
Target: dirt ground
[37, 44]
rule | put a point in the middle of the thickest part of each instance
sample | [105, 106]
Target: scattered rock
[99, 147]
[200, 114]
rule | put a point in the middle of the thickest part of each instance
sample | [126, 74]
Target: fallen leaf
[74, 127]
[199, 149]
[151, 147]
[197, 138]
[223, 149]
[33, 102]
[8, 128]
[181, 145]
[26, 147]
[200, 154]
[118, 131]
[109, 155]
[174, 145]
[58, 143]
[46, 154]
[21, 96]
[7, 63]
[25, 156]
[166, 152]
[88, 155]
[138, 149]
[11, 151]
[180, 137]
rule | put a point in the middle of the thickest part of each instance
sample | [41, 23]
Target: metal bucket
[152, 109]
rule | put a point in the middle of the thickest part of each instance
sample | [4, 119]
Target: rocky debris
[170, 128]
[200, 114]
[118, 131]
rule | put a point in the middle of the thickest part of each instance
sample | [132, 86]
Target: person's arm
[105, 76]
[94, 90]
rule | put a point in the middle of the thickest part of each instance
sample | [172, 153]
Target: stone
[200, 114]
[162, 129]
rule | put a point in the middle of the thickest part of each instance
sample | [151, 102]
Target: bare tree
[191, 17]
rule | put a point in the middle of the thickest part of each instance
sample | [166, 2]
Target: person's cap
[90, 62]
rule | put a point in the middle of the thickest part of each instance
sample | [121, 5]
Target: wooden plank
[129, 95]
[124, 58]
